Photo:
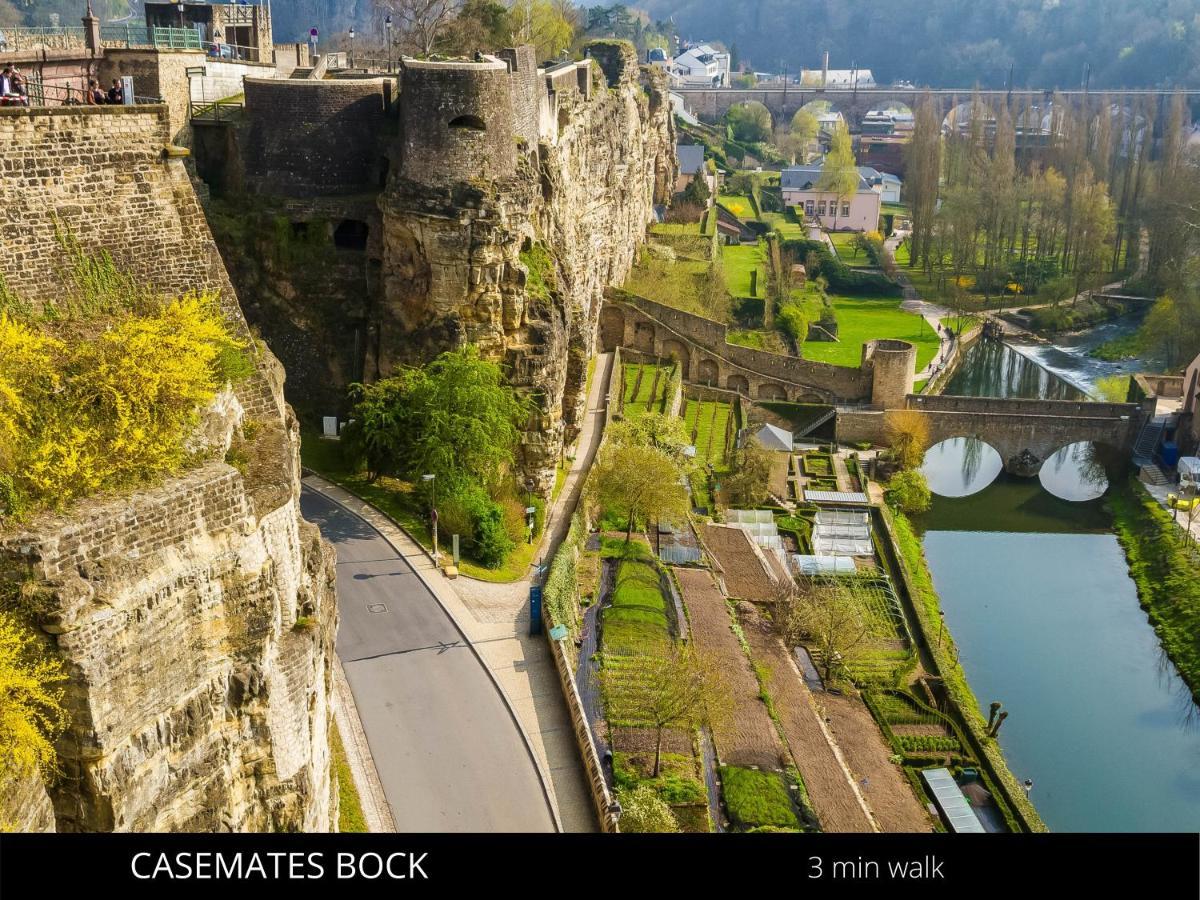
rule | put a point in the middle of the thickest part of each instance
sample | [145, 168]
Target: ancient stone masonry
[477, 200]
[195, 617]
[493, 204]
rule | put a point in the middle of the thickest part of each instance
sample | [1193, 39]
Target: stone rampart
[196, 617]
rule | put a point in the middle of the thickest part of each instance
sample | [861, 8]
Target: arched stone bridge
[1027, 432]
[853, 104]
[883, 379]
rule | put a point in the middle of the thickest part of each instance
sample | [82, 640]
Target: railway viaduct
[711, 104]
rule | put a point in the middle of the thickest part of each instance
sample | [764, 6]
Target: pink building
[858, 212]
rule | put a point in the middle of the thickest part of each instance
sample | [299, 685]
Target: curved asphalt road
[448, 752]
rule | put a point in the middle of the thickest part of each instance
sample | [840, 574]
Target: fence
[47, 38]
[229, 109]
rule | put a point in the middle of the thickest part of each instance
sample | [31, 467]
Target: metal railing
[229, 109]
[46, 38]
[164, 38]
[44, 94]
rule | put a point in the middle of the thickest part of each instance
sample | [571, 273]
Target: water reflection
[1076, 472]
[960, 466]
[994, 369]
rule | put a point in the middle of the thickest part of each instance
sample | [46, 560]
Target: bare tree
[828, 616]
[421, 22]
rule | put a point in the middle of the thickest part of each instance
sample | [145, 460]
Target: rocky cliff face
[195, 617]
[515, 257]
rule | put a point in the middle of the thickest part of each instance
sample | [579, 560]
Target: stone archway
[612, 328]
[707, 372]
[738, 383]
[643, 337]
[676, 350]
[770, 390]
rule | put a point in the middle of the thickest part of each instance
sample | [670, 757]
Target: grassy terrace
[739, 205]
[740, 261]
[645, 387]
[861, 319]
[708, 425]
[636, 622]
[855, 257]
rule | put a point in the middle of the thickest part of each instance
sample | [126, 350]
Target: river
[1037, 594]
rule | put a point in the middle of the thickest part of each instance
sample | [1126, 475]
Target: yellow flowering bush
[82, 412]
[31, 713]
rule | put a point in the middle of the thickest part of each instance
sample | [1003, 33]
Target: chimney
[825, 70]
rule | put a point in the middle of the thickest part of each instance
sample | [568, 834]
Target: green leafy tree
[639, 483]
[748, 486]
[454, 418]
[839, 174]
[828, 616]
[644, 812]
[659, 431]
[675, 689]
[909, 492]
[750, 122]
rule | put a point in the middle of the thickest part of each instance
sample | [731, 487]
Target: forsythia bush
[31, 713]
[81, 412]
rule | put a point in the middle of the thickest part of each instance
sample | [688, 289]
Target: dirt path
[833, 798]
[747, 736]
[887, 791]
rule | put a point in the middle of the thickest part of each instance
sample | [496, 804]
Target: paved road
[448, 752]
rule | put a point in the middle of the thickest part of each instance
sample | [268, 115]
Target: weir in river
[1036, 591]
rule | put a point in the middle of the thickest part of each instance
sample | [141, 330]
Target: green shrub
[909, 492]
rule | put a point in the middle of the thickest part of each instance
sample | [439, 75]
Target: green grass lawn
[675, 228]
[636, 622]
[862, 319]
[740, 260]
[757, 799]
[788, 229]
[739, 205]
[350, 814]
[843, 241]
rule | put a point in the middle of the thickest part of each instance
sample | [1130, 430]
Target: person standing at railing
[95, 96]
[116, 93]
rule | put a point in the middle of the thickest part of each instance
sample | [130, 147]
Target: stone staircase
[1152, 474]
[815, 424]
[1146, 447]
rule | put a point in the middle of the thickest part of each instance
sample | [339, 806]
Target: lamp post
[387, 24]
[431, 480]
[941, 625]
[352, 46]
[1027, 784]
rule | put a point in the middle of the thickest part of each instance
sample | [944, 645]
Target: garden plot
[645, 387]
[747, 736]
[744, 571]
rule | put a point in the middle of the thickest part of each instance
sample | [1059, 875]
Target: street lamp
[387, 24]
[431, 480]
[351, 46]
[941, 625]
[1027, 785]
[530, 511]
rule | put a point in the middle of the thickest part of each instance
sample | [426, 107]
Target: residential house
[858, 212]
[700, 66]
[692, 166]
[887, 185]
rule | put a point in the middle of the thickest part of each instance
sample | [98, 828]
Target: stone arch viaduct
[853, 104]
[1028, 432]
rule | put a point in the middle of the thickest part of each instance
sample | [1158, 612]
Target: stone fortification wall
[314, 138]
[469, 211]
[195, 618]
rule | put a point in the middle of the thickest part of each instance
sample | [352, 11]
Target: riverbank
[941, 659]
[1166, 573]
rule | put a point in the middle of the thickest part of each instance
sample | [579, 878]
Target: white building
[700, 66]
[858, 212]
[837, 78]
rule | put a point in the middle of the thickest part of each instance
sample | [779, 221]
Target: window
[821, 208]
[808, 208]
[351, 234]
[471, 123]
[845, 209]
